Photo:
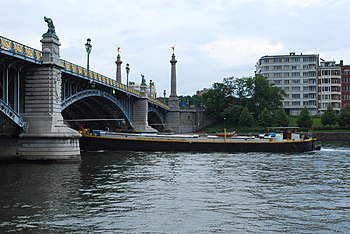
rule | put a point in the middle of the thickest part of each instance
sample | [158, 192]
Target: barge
[272, 142]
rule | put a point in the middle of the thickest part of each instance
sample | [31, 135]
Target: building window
[326, 89]
[336, 73]
[347, 72]
[326, 81]
[295, 88]
[312, 74]
[295, 103]
[277, 68]
[277, 60]
[295, 67]
[295, 95]
[326, 72]
[312, 59]
[296, 81]
[286, 60]
[286, 89]
[295, 74]
[296, 59]
[286, 82]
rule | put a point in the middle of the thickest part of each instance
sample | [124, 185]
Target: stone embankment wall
[331, 136]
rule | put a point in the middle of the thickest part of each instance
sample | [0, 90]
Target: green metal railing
[19, 50]
[98, 78]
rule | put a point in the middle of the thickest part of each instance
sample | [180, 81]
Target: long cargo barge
[113, 141]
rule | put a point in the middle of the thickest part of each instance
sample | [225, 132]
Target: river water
[138, 192]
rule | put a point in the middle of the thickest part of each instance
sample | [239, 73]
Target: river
[138, 192]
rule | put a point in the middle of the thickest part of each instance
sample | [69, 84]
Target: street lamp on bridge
[127, 68]
[88, 48]
[164, 93]
[150, 87]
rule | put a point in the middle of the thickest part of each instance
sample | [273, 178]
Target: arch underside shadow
[156, 119]
[95, 109]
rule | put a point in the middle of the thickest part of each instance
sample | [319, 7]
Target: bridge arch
[96, 104]
[156, 118]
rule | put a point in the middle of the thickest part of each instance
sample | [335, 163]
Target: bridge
[45, 100]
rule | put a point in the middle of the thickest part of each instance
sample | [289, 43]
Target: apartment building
[345, 84]
[329, 85]
[297, 75]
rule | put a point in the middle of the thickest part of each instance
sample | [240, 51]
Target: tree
[304, 120]
[265, 118]
[329, 117]
[265, 95]
[215, 101]
[232, 113]
[281, 118]
[246, 119]
[344, 116]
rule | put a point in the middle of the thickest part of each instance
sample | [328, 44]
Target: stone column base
[49, 147]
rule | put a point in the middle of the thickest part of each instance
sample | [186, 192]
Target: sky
[213, 39]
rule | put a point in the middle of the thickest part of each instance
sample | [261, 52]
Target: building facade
[329, 85]
[297, 75]
[345, 84]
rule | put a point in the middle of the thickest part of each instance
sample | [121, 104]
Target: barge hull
[133, 144]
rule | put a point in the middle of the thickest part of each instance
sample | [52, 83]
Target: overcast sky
[214, 38]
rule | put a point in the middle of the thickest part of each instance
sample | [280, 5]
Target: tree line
[246, 101]
[253, 101]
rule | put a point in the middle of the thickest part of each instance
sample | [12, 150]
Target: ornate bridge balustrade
[75, 79]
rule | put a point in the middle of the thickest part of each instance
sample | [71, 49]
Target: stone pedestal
[140, 113]
[46, 137]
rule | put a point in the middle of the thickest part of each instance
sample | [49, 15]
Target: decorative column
[47, 138]
[173, 98]
[172, 119]
[118, 62]
[140, 110]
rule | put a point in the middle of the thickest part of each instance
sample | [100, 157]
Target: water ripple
[181, 193]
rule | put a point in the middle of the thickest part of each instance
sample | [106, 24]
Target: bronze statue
[51, 28]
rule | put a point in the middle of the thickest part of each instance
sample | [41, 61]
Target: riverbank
[331, 136]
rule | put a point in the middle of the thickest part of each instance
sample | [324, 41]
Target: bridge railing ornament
[19, 50]
[97, 78]
[159, 103]
[16, 49]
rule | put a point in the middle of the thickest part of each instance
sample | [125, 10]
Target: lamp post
[150, 88]
[127, 68]
[88, 48]
[164, 93]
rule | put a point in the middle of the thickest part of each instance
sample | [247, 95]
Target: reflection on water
[160, 192]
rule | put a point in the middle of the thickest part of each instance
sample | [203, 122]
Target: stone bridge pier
[46, 136]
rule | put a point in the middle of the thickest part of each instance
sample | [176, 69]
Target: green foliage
[265, 95]
[246, 119]
[281, 118]
[215, 101]
[329, 117]
[304, 120]
[344, 116]
[255, 93]
[265, 118]
[232, 114]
